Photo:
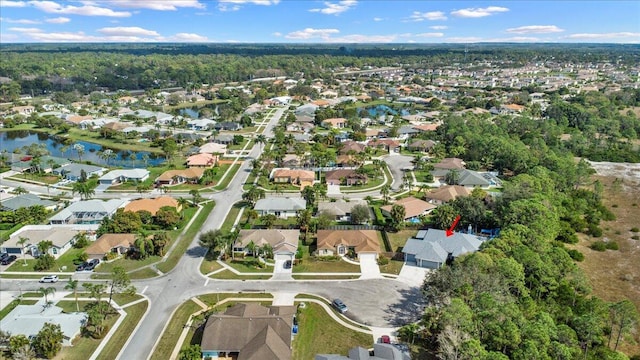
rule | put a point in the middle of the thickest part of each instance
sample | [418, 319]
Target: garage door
[369, 266]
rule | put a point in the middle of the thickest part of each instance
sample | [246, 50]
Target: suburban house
[86, 212]
[282, 207]
[421, 145]
[152, 205]
[23, 110]
[74, 171]
[28, 320]
[413, 207]
[249, 331]
[386, 144]
[224, 139]
[345, 177]
[202, 160]
[380, 352]
[349, 147]
[336, 123]
[25, 201]
[340, 242]
[450, 164]
[283, 242]
[227, 126]
[22, 163]
[174, 177]
[213, 148]
[124, 175]
[110, 243]
[433, 248]
[340, 209]
[62, 237]
[302, 178]
[446, 193]
[201, 124]
[470, 178]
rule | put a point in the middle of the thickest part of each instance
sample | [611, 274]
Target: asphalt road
[396, 163]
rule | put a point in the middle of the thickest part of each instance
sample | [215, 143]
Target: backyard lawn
[319, 334]
[398, 239]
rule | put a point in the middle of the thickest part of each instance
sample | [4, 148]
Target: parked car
[339, 305]
[49, 279]
[385, 339]
[287, 264]
[8, 260]
[91, 264]
[82, 266]
[3, 256]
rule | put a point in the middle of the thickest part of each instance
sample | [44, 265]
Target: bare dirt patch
[615, 275]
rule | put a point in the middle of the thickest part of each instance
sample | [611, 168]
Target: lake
[11, 140]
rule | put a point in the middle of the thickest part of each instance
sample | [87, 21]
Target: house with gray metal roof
[25, 201]
[28, 320]
[87, 212]
[124, 175]
[432, 248]
[62, 238]
[282, 207]
[73, 171]
[340, 209]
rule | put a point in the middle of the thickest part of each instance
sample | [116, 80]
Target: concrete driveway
[414, 275]
[396, 163]
[369, 266]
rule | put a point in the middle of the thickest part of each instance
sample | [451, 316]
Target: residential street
[377, 302]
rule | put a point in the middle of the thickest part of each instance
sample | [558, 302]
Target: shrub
[383, 260]
[594, 230]
[44, 262]
[635, 237]
[614, 205]
[598, 246]
[612, 245]
[575, 255]
[635, 229]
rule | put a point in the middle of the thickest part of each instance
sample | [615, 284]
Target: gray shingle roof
[280, 204]
[434, 245]
[24, 200]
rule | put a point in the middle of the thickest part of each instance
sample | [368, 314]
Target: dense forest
[42, 69]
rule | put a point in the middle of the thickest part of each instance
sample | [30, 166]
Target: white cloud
[160, 5]
[336, 8]
[6, 3]
[605, 36]
[7, 38]
[356, 38]
[430, 15]
[535, 29]
[514, 39]
[20, 21]
[479, 12]
[430, 35]
[277, 34]
[310, 33]
[464, 39]
[127, 31]
[226, 8]
[438, 27]
[377, 19]
[25, 30]
[58, 20]
[87, 9]
[188, 37]
[254, 2]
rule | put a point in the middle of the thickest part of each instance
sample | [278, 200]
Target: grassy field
[229, 275]
[620, 278]
[115, 344]
[172, 332]
[398, 239]
[319, 334]
[185, 241]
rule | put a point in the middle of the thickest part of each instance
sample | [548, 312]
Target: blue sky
[304, 21]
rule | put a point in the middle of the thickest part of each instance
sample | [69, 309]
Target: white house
[124, 175]
[282, 207]
[61, 236]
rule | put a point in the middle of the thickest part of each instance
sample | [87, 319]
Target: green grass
[224, 183]
[115, 344]
[208, 266]
[319, 334]
[123, 299]
[184, 242]
[69, 306]
[393, 267]
[7, 309]
[248, 265]
[231, 217]
[66, 260]
[43, 178]
[325, 277]
[127, 264]
[398, 239]
[212, 299]
[313, 264]
[172, 332]
[5, 234]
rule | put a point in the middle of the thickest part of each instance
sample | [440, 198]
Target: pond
[11, 140]
[379, 110]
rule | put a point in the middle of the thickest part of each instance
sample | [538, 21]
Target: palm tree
[79, 148]
[21, 242]
[46, 292]
[252, 247]
[182, 203]
[145, 158]
[85, 191]
[385, 190]
[44, 246]
[269, 220]
[196, 196]
[261, 139]
[143, 243]
[73, 286]
[133, 158]
[251, 214]
[19, 190]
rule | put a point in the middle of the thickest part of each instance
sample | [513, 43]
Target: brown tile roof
[450, 163]
[253, 331]
[278, 239]
[151, 205]
[202, 159]
[383, 142]
[76, 119]
[189, 173]
[448, 193]
[426, 127]
[413, 207]
[361, 240]
[348, 146]
[343, 173]
[106, 242]
[335, 121]
[294, 175]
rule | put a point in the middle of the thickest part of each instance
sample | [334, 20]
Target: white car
[49, 279]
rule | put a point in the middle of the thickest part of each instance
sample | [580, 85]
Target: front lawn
[115, 344]
[248, 264]
[43, 178]
[230, 275]
[319, 334]
[310, 263]
[65, 263]
[208, 266]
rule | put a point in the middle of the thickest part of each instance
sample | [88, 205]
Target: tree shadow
[409, 309]
[196, 251]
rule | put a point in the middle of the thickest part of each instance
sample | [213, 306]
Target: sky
[306, 21]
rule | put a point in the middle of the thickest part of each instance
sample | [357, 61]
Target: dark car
[287, 264]
[82, 266]
[8, 260]
[339, 305]
[91, 264]
[3, 256]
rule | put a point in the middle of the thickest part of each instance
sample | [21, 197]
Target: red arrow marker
[453, 226]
